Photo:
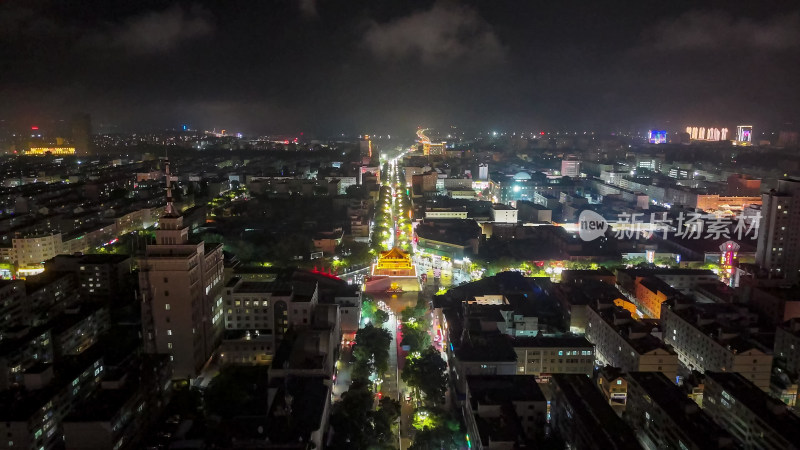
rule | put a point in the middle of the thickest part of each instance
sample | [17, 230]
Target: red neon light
[34, 128]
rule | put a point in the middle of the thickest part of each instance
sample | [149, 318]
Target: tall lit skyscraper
[181, 294]
[82, 134]
[779, 231]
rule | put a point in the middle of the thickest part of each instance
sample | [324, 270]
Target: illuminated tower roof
[394, 262]
[169, 211]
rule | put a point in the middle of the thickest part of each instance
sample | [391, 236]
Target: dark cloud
[386, 66]
[444, 33]
[717, 30]
[159, 31]
[308, 8]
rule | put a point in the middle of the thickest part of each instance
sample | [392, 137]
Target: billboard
[658, 136]
[744, 133]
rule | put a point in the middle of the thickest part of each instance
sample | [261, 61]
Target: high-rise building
[778, 248]
[181, 294]
[571, 167]
[483, 172]
[82, 134]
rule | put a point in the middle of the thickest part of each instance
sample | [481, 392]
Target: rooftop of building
[502, 207]
[486, 347]
[500, 389]
[655, 284]
[275, 288]
[792, 326]
[502, 283]
[685, 413]
[303, 290]
[295, 410]
[20, 404]
[103, 259]
[552, 342]
[103, 405]
[727, 324]
[185, 251]
[261, 334]
[530, 204]
[718, 290]
[455, 208]
[37, 282]
[770, 410]
[592, 410]
[635, 332]
[451, 231]
[73, 316]
[645, 272]
[583, 273]
[292, 352]
[584, 291]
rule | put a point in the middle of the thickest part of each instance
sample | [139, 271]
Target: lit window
[169, 332]
[619, 381]
[167, 307]
[169, 344]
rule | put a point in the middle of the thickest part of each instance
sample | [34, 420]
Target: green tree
[416, 312]
[500, 264]
[350, 415]
[385, 418]
[368, 309]
[226, 395]
[446, 433]
[356, 425]
[415, 335]
[427, 374]
[371, 352]
[381, 317]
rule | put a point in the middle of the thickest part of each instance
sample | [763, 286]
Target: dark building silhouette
[82, 134]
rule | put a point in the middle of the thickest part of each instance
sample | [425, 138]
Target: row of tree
[426, 373]
[357, 424]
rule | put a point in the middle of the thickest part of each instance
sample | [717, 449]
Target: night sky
[329, 66]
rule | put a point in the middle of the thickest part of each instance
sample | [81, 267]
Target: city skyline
[430, 224]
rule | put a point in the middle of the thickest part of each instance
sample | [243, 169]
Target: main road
[400, 237]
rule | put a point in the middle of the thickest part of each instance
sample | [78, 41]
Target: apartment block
[544, 356]
[504, 411]
[623, 342]
[714, 337]
[664, 417]
[755, 419]
[583, 418]
[787, 345]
